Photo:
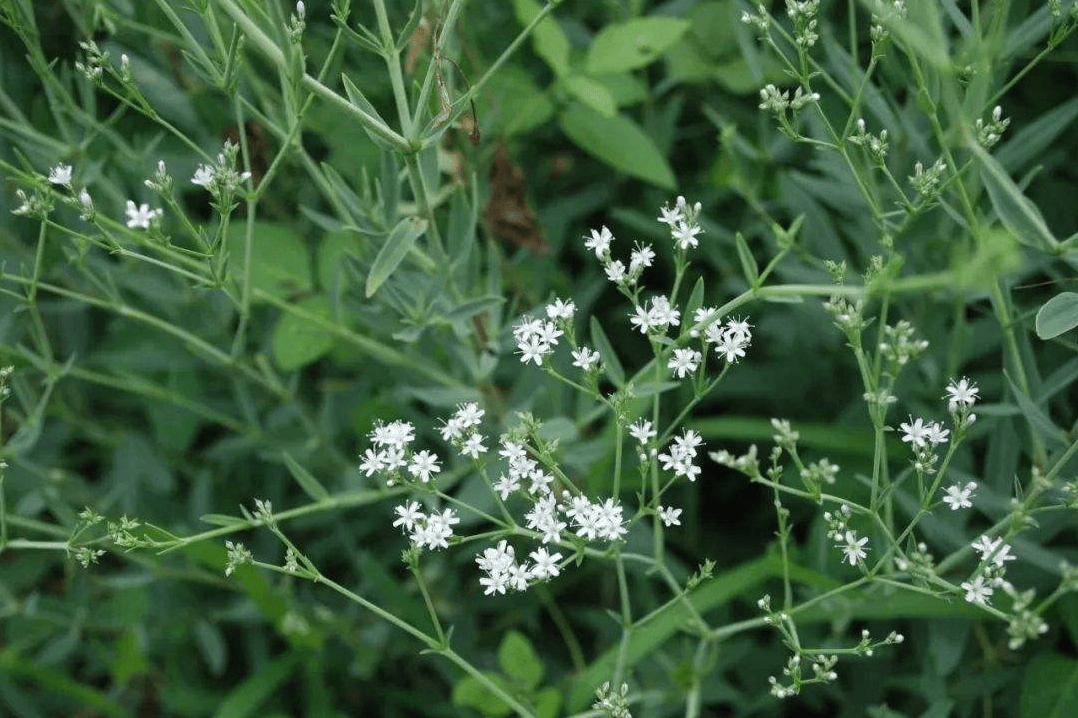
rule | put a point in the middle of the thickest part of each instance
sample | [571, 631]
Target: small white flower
[507, 484]
[203, 176]
[473, 446]
[684, 361]
[641, 319]
[546, 564]
[85, 200]
[141, 216]
[585, 358]
[684, 235]
[977, 591]
[853, 548]
[670, 516]
[599, 242]
[641, 257]
[533, 350]
[372, 462]
[961, 393]
[958, 497]
[615, 271]
[424, 464]
[701, 315]
[60, 174]
[408, 515]
[670, 217]
[559, 309]
[641, 431]
[914, 432]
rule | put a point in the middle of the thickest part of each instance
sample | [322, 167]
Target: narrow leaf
[222, 520]
[306, 481]
[400, 240]
[356, 97]
[1015, 210]
[748, 262]
[606, 350]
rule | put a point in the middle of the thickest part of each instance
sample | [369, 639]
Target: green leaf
[280, 265]
[1059, 314]
[410, 27]
[470, 693]
[246, 698]
[212, 646]
[611, 365]
[297, 341]
[619, 142]
[748, 262]
[306, 481]
[1038, 419]
[400, 240]
[129, 661]
[1050, 687]
[634, 43]
[592, 93]
[1015, 210]
[547, 703]
[469, 308]
[519, 660]
[357, 98]
[550, 41]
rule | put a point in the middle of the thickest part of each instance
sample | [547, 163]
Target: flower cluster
[501, 570]
[393, 453]
[679, 456]
[221, 179]
[536, 339]
[994, 556]
[431, 531]
[460, 431]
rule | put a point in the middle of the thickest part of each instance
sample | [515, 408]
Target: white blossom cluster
[994, 557]
[679, 456]
[924, 437]
[392, 453]
[460, 430]
[431, 531]
[730, 339]
[501, 570]
[221, 179]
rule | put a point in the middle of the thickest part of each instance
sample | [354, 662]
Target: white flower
[394, 434]
[546, 564]
[559, 309]
[684, 361]
[641, 431]
[507, 484]
[987, 547]
[469, 414]
[914, 432]
[641, 320]
[670, 516]
[424, 464]
[615, 271]
[853, 548]
[701, 315]
[141, 216]
[935, 434]
[372, 462]
[961, 393]
[203, 176]
[599, 242]
[958, 497]
[641, 257]
[494, 583]
[662, 314]
[671, 217]
[977, 591]
[585, 358]
[60, 174]
[684, 235]
[473, 446]
[533, 350]
[408, 515]
[740, 329]
[85, 200]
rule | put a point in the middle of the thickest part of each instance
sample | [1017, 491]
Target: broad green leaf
[250, 695]
[297, 341]
[609, 357]
[633, 43]
[470, 693]
[397, 245]
[1058, 315]
[279, 262]
[1050, 687]
[517, 104]
[306, 481]
[1015, 210]
[333, 253]
[550, 41]
[592, 93]
[626, 89]
[619, 142]
[547, 702]
[519, 660]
